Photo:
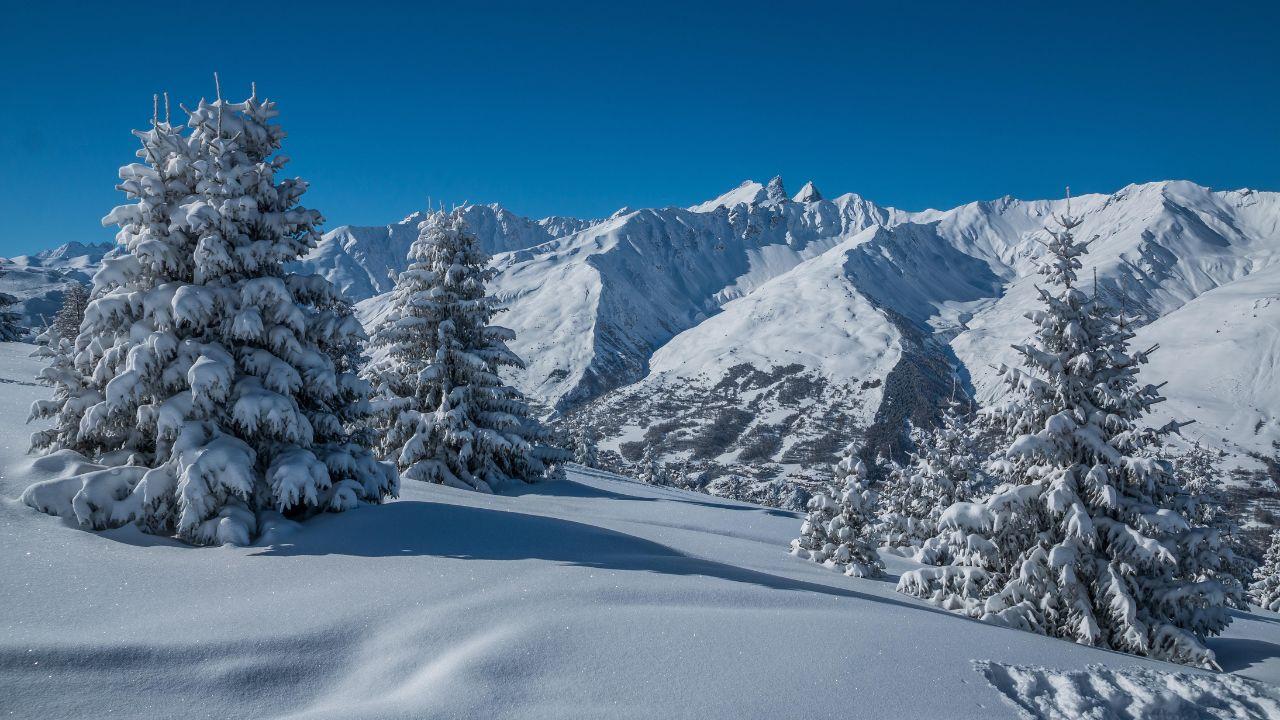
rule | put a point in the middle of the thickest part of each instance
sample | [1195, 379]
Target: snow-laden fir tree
[218, 386]
[1198, 470]
[156, 259]
[585, 452]
[682, 477]
[728, 486]
[56, 345]
[66, 323]
[1265, 590]
[444, 414]
[838, 530]
[11, 327]
[942, 471]
[650, 469]
[1084, 541]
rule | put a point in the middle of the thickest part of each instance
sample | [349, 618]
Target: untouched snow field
[593, 597]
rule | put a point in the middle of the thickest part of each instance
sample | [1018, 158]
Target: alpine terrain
[748, 339]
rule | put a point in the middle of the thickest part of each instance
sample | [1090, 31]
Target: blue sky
[579, 109]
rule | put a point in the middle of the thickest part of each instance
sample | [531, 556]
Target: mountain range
[750, 337]
[38, 281]
[753, 335]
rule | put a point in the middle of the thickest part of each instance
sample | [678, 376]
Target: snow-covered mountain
[363, 260]
[756, 333]
[38, 280]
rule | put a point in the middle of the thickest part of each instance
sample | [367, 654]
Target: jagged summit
[775, 192]
[808, 193]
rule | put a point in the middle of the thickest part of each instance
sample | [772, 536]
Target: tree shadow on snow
[575, 489]
[1240, 653]
[410, 527]
[1258, 615]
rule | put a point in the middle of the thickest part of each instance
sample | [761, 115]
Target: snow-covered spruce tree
[156, 259]
[650, 470]
[1265, 590]
[682, 478]
[585, 452]
[444, 414]
[1083, 542]
[1198, 471]
[11, 327]
[942, 471]
[837, 531]
[66, 323]
[220, 379]
[56, 345]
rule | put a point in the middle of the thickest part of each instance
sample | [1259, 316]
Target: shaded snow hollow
[592, 597]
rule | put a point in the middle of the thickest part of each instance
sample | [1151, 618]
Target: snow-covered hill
[756, 333]
[585, 598]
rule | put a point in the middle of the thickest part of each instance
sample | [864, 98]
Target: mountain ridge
[648, 285]
[689, 320]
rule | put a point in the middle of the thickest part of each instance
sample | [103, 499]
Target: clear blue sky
[581, 109]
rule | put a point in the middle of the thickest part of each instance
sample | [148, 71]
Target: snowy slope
[593, 597]
[1231, 385]
[1157, 248]
[804, 360]
[813, 315]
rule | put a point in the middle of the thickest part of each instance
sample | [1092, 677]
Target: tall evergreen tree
[444, 413]
[838, 529]
[211, 369]
[1084, 541]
